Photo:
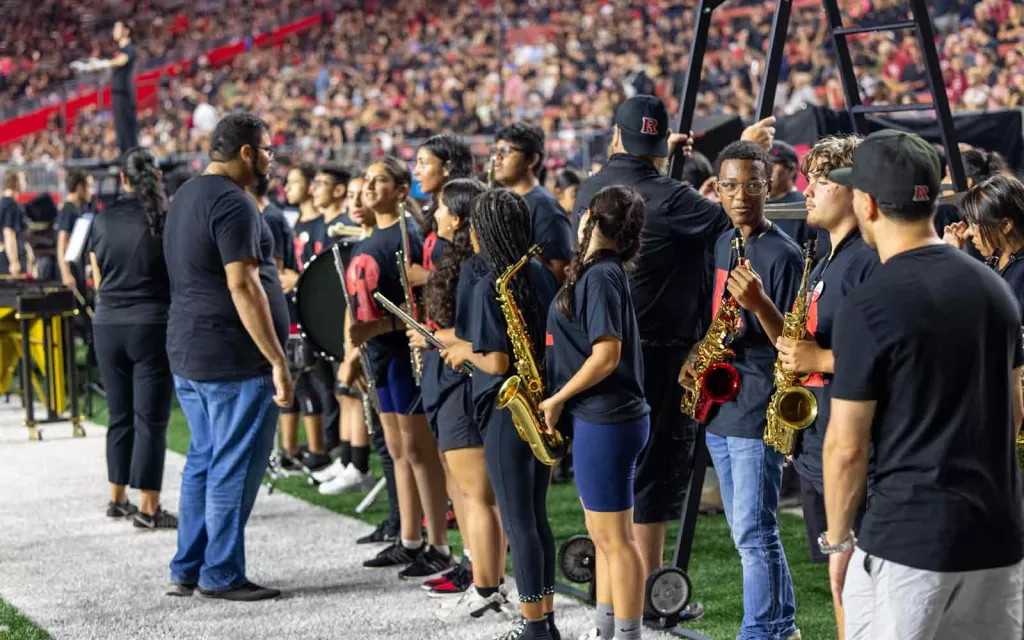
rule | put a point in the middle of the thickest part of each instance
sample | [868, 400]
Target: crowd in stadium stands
[407, 69]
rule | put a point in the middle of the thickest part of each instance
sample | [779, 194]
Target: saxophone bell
[721, 383]
[796, 407]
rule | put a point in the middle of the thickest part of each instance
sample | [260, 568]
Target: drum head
[320, 306]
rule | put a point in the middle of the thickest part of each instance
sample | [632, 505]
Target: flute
[403, 258]
[431, 339]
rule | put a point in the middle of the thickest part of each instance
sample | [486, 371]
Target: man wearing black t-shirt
[80, 187]
[226, 330]
[15, 258]
[518, 161]
[928, 362]
[122, 87]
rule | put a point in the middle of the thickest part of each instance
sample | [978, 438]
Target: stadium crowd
[404, 70]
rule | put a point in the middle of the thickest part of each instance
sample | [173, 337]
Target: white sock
[467, 555]
[443, 549]
[412, 544]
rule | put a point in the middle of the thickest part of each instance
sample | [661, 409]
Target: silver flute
[431, 339]
[403, 257]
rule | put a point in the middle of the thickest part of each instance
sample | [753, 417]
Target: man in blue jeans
[227, 324]
[763, 283]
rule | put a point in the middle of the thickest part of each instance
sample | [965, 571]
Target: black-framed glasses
[271, 150]
[750, 187]
[505, 150]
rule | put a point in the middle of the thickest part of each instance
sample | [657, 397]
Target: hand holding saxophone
[552, 409]
[746, 287]
[803, 356]
[688, 374]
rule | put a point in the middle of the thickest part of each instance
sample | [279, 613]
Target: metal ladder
[921, 24]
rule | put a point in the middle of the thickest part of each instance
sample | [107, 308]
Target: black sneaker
[430, 562]
[121, 509]
[312, 462]
[288, 465]
[383, 533]
[245, 592]
[181, 590]
[524, 630]
[159, 520]
[393, 555]
[456, 581]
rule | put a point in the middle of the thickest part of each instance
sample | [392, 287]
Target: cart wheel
[667, 592]
[577, 558]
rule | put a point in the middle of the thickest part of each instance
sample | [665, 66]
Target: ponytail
[142, 174]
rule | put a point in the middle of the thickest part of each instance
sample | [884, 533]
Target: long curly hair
[458, 195]
[501, 221]
[618, 213]
[142, 173]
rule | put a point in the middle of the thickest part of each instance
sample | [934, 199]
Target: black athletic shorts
[663, 469]
[452, 421]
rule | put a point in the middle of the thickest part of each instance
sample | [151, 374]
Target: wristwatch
[829, 549]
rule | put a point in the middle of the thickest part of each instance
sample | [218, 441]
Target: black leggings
[388, 465]
[132, 360]
[521, 483]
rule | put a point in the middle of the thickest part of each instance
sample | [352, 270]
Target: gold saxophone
[521, 393]
[717, 381]
[792, 407]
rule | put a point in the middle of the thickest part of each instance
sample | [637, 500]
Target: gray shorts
[883, 600]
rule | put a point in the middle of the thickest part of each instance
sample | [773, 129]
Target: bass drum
[320, 305]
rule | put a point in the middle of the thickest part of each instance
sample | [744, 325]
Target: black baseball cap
[784, 153]
[643, 120]
[897, 169]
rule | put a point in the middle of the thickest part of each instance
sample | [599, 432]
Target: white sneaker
[331, 472]
[349, 480]
[593, 634]
[473, 605]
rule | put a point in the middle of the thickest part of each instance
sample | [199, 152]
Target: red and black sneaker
[458, 580]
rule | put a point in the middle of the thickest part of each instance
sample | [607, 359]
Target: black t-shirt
[602, 307]
[68, 216]
[374, 267]
[779, 262]
[933, 339]
[831, 281]
[670, 284]
[282, 235]
[439, 380]
[134, 288]
[211, 224]
[1013, 274]
[549, 225]
[309, 238]
[484, 326]
[121, 77]
[12, 216]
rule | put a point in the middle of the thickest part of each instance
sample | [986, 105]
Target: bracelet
[828, 549]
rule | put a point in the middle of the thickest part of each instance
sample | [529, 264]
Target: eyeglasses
[271, 151]
[751, 187]
[505, 150]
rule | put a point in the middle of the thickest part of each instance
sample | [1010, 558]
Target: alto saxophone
[522, 393]
[792, 407]
[717, 381]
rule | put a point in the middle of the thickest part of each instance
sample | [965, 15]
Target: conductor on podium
[122, 88]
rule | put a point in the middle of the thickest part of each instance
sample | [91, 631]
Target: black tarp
[993, 130]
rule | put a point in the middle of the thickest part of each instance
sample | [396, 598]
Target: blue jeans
[232, 425]
[750, 475]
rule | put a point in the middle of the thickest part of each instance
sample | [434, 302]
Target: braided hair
[142, 174]
[458, 195]
[618, 213]
[501, 221]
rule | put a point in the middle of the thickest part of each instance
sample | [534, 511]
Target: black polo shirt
[832, 280]
[282, 235]
[671, 283]
[603, 307]
[549, 225]
[484, 326]
[933, 339]
[134, 287]
[374, 267]
[779, 262]
[12, 216]
[213, 223]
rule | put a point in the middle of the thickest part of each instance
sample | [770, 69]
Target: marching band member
[80, 186]
[750, 471]
[130, 333]
[519, 165]
[15, 259]
[851, 261]
[418, 472]
[447, 399]
[501, 236]
[596, 371]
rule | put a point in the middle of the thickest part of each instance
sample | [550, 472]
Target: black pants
[388, 465]
[663, 469]
[520, 483]
[125, 121]
[132, 360]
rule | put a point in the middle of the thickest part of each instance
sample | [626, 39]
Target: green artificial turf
[15, 626]
[714, 568]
